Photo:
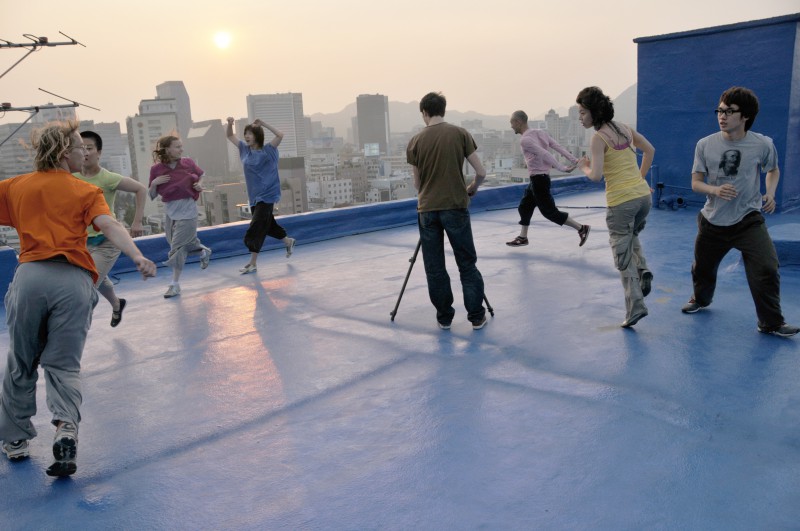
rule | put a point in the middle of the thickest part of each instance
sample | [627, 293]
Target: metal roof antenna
[36, 44]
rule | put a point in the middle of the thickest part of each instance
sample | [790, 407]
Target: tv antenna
[34, 110]
[36, 44]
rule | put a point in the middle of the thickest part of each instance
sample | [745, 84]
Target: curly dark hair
[597, 103]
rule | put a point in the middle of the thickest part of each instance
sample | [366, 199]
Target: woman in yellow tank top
[628, 197]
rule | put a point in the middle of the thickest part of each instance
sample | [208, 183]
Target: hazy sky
[491, 56]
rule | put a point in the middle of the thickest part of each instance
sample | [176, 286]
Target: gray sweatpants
[49, 310]
[183, 241]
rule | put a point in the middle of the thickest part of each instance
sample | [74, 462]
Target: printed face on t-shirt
[729, 163]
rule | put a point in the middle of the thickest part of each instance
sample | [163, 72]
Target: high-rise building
[176, 90]
[285, 113]
[206, 144]
[372, 112]
[294, 195]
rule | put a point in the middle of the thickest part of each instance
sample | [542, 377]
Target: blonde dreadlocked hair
[51, 142]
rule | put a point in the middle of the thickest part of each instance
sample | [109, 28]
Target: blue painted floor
[289, 400]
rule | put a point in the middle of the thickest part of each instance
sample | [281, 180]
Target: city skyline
[331, 53]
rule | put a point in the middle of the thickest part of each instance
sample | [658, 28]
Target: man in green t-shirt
[103, 252]
[437, 155]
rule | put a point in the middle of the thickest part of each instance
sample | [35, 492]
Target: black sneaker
[477, 325]
[583, 232]
[65, 450]
[116, 317]
[692, 306]
[519, 241]
[783, 330]
[647, 281]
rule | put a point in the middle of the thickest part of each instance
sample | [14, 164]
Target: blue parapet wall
[680, 79]
[226, 240]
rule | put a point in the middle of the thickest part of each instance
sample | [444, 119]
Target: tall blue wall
[682, 75]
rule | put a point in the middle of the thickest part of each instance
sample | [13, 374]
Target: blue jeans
[432, 227]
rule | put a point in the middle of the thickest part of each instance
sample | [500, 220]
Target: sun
[222, 39]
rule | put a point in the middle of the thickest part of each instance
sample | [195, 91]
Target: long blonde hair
[51, 142]
[163, 143]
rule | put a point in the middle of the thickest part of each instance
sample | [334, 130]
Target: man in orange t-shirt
[49, 302]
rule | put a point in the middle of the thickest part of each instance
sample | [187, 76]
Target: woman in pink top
[177, 180]
[627, 193]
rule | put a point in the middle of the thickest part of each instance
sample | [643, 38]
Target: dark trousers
[537, 193]
[262, 224]
[456, 224]
[749, 236]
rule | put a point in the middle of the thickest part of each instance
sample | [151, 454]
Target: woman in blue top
[260, 164]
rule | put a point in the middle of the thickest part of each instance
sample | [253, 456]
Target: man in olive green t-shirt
[437, 155]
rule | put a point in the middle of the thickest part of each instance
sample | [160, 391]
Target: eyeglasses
[73, 148]
[727, 112]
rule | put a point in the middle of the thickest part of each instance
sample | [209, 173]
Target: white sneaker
[65, 450]
[249, 268]
[289, 247]
[173, 291]
[204, 258]
[16, 449]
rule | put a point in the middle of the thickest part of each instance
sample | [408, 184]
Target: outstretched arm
[116, 233]
[594, 169]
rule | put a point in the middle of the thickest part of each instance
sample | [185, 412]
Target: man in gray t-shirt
[727, 168]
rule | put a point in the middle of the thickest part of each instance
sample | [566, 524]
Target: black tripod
[403, 289]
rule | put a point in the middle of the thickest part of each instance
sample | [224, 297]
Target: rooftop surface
[288, 399]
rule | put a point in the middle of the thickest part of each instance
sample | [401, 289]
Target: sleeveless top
[623, 178]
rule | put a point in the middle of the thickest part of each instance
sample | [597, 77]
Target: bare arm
[417, 183]
[647, 149]
[135, 187]
[726, 191]
[161, 179]
[480, 173]
[276, 141]
[594, 169]
[771, 180]
[116, 233]
[229, 132]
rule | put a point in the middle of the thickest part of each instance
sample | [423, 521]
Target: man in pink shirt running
[535, 144]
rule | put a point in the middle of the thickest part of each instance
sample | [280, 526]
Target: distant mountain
[404, 117]
[625, 106]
